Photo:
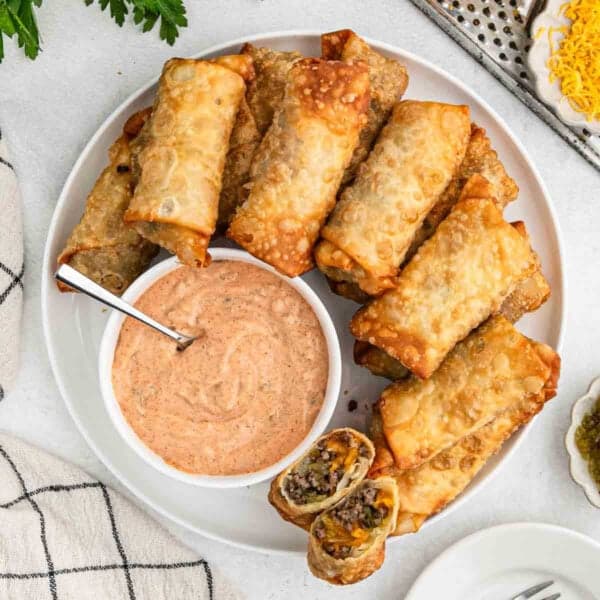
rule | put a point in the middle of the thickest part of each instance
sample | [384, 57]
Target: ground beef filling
[316, 477]
[359, 511]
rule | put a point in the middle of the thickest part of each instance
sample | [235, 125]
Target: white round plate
[73, 324]
[500, 562]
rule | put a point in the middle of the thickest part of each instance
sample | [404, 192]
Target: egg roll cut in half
[297, 169]
[460, 276]
[264, 95]
[181, 154]
[377, 216]
[101, 246]
[388, 80]
[428, 489]
[347, 541]
[528, 296]
[333, 467]
[495, 368]
[480, 159]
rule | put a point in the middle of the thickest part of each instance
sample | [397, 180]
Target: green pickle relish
[587, 438]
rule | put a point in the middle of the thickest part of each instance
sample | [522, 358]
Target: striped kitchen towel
[67, 536]
[11, 271]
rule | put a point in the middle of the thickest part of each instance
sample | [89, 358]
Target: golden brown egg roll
[388, 80]
[371, 228]
[298, 167]
[334, 465]
[347, 541]
[266, 90]
[428, 489]
[101, 246]
[480, 159]
[181, 154]
[460, 276]
[495, 368]
[263, 97]
[528, 296]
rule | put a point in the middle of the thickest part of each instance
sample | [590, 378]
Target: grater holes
[498, 41]
[476, 22]
[481, 37]
[491, 27]
[513, 45]
[503, 56]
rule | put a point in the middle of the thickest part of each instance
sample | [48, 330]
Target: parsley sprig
[17, 17]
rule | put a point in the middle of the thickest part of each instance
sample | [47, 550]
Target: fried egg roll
[388, 80]
[347, 541]
[264, 95]
[101, 246]
[528, 296]
[335, 464]
[428, 489]
[460, 276]
[480, 159]
[297, 169]
[376, 219]
[181, 154]
[495, 368]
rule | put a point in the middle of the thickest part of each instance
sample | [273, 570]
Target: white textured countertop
[50, 108]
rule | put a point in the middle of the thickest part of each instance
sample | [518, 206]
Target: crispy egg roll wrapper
[460, 276]
[480, 159]
[266, 90]
[264, 95]
[367, 553]
[101, 246]
[528, 296]
[414, 159]
[428, 489]
[388, 81]
[494, 368]
[181, 154]
[347, 457]
[297, 169]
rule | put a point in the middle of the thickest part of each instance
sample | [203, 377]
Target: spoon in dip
[69, 276]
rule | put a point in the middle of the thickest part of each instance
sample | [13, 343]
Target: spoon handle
[85, 285]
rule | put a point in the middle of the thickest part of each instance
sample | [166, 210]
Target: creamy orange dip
[243, 395]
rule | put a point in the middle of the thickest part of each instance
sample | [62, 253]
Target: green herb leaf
[18, 17]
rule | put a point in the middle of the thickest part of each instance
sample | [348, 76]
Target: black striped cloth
[11, 271]
[67, 536]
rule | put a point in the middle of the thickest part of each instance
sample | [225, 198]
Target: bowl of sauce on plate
[248, 397]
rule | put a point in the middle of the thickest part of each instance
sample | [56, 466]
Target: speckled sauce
[243, 395]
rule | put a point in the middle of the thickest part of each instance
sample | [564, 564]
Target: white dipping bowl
[107, 351]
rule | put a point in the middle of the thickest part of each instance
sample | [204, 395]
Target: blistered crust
[460, 276]
[181, 156]
[354, 568]
[101, 246]
[297, 169]
[388, 81]
[375, 221]
[495, 368]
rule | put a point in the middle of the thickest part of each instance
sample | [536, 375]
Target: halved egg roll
[480, 159]
[428, 489]
[347, 541]
[528, 296]
[331, 469]
[495, 368]
[101, 246]
[460, 276]
[181, 154]
[388, 80]
[414, 158]
[298, 167]
[263, 97]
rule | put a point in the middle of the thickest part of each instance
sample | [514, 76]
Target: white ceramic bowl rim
[107, 350]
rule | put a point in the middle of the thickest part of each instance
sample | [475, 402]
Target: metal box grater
[495, 33]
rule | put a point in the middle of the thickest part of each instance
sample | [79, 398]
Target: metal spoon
[85, 285]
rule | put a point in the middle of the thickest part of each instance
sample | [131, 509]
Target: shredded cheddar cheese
[575, 61]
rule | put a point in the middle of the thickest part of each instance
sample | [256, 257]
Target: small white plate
[538, 56]
[73, 324]
[500, 562]
[579, 467]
